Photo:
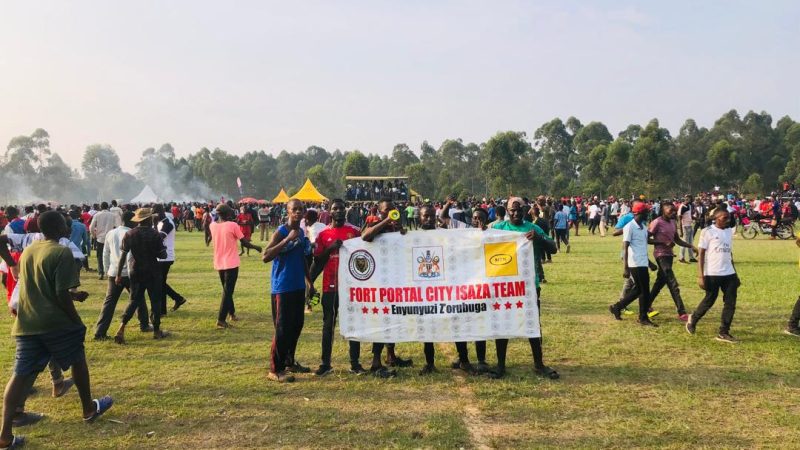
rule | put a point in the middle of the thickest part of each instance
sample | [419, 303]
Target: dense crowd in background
[134, 248]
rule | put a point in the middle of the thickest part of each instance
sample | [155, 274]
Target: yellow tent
[308, 193]
[282, 197]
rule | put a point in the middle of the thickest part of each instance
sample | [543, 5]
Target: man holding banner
[541, 242]
[326, 261]
[442, 286]
[388, 224]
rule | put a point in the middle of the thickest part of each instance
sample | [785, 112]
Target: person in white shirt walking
[103, 222]
[112, 251]
[717, 273]
[166, 227]
[635, 238]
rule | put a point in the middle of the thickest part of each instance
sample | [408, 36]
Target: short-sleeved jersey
[325, 239]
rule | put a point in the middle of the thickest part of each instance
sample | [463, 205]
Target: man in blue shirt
[80, 236]
[290, 282]
[561, 226]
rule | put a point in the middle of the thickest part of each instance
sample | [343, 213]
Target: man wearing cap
[113, 250]
[144, 243]
[635, 238]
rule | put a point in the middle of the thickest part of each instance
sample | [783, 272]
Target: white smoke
[176, 184]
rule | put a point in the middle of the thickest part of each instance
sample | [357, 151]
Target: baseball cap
[640, 207]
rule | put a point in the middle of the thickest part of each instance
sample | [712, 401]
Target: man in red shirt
[326, 260]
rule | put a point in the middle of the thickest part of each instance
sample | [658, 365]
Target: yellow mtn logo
[500, 259]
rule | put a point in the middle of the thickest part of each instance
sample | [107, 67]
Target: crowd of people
[45, 248]
[376, 190]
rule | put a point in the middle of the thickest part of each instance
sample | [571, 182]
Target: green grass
[621, 386]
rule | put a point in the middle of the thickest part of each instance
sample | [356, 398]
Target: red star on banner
[520, 304]
[374, 310]
[365, 310]
[386, 310]
[508, 305]
[496, 306]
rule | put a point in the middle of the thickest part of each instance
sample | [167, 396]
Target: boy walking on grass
[47, 326]
[717, 273]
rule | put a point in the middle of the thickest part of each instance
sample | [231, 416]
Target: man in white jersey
[717, 273]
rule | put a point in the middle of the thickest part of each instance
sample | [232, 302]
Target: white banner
[438, 286]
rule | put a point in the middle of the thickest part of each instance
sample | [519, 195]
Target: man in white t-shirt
[717, 273]
[594, 221]
[635, 238]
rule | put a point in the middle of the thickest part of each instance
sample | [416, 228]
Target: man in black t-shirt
[146, 246]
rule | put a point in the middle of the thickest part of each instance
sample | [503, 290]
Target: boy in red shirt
[326, 260]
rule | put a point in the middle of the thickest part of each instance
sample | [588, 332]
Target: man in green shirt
[541, 242]
[47, 326]
[410, 216]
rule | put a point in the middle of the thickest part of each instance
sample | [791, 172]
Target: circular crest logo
[361, 265]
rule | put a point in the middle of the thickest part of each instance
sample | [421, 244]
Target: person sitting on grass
[47, 325]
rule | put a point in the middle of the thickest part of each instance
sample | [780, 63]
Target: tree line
[748, 154]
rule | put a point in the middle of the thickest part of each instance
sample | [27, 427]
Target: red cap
[640, 207]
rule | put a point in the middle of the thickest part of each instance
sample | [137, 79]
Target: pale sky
[258, 75]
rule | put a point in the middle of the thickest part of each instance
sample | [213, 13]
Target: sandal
[103, 405]
[382, 372]
[65, 385]
[26, 418]
[496, 374]
[16, 442]
[547, 372]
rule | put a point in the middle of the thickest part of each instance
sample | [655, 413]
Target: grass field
[622, 385]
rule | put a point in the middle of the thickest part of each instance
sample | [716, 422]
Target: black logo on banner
[361, 265]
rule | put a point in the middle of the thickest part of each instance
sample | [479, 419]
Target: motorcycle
[764, 226]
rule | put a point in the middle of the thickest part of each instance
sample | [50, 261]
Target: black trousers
[228, 279]
[794, 319]
[640, 290]
[100, 266]
[152, 286]
[463, 351]
[562, 235]
[166, 289]
[377, 349]
[666, 277]
[287, 316]
[501, 345]
[330, 310]
[113, 293]
[729, 285]
[538, 259]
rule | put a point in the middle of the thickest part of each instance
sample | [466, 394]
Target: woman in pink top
[226, 236]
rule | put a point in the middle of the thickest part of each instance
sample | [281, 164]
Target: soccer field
[622, 385]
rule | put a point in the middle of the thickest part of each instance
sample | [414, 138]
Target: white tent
[146, 196]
